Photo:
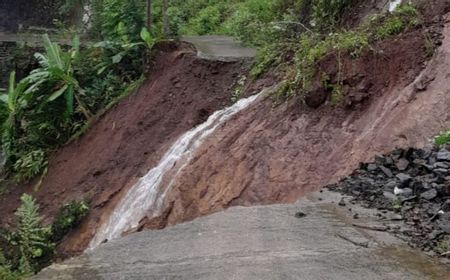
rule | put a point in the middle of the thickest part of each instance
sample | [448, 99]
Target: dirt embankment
[265, 154]
[269, 155]
[181, 92]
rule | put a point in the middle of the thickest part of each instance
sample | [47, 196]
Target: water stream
[146, 197]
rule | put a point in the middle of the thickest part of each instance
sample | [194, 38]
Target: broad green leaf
[117, 58]
[76, 44]
[11, 91]
[69, 97]
[4, 98]
[53, 53]
[145, 36]
[58, 93]
[101, 70]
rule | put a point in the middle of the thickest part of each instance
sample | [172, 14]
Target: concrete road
[219, 48]
[267, 242]
[208, 47]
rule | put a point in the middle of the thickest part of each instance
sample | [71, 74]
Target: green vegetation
[405, 16]
[31, 246]
[443, 246]
[443, 138]
[48, 107]
[68, 217]
[327, 14]
[313, 46]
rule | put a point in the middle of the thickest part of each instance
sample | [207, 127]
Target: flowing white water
[146, 197]
[393, 4]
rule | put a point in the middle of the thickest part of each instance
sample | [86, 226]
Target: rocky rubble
[409, 185]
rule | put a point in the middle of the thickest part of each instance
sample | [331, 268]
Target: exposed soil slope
[181, 91]
[268, 155]
[264, 154]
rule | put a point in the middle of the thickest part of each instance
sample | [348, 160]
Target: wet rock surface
[314, 238]
[412, 185]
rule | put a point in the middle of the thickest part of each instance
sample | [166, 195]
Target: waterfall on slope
[146, 197]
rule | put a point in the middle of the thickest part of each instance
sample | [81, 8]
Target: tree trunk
[149, 15]
[165, 18]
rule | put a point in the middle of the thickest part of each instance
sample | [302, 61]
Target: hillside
[169, 126]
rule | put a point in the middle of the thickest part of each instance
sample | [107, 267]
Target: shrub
[122, 20]
[29, 165]
[312, 47]
[403, 17]
[68, 217]
[7, 274]
[327, 13]
[443, 138]
[31, 246]
[207, 21]
[5, 269]
[46, 108]
[32, 239]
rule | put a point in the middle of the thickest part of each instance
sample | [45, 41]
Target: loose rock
[412, 186]
[429, 195]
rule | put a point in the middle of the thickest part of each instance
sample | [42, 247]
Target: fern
[31, 237]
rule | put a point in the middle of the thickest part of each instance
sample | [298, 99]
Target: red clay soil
[275, 155]
[181, 92]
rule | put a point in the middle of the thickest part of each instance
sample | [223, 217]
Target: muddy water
[416, 263]
[147, 195]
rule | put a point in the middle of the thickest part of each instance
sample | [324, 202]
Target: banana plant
[13, 98]
[13, 106]
[56, 69]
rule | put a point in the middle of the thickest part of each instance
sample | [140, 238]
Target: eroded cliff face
[394, 97]
[276, 154]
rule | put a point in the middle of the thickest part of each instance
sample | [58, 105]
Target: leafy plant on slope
[68, 217]
[443, 138]
[32, 239]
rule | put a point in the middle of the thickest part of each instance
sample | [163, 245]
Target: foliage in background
[327, 14]
[122, 21]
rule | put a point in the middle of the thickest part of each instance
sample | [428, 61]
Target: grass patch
[442, 139]
[312, 47]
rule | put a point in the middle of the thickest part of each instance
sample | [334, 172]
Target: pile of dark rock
[412, 184]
